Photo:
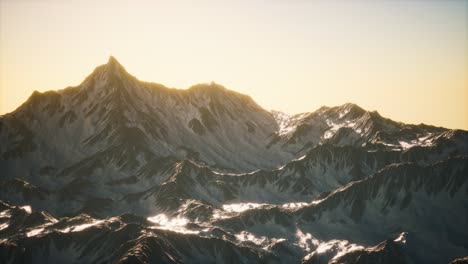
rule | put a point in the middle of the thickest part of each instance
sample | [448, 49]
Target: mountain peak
[114, 66]
[110, 76]
[350, 109]
[112, 61]
[351, 106]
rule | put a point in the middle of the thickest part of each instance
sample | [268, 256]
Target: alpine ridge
[118, 170]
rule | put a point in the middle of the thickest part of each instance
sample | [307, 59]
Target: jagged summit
[110, 71]
[112, 60]
[113, 66]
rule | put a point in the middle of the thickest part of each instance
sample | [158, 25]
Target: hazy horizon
[407, 60]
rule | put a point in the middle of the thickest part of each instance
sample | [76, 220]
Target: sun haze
[406, 59]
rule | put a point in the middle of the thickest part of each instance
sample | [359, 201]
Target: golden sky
[406, 59]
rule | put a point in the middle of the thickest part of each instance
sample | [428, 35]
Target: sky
[406, 59]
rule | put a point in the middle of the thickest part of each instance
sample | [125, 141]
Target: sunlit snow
[306, 241]
[241, 207]
[245, 236]
[176, 224]
[341, 247]
[293, 205]
[401, 238]
[3, 226]
[5, 213]
[26, 208]
[77, 228]
[35, 232]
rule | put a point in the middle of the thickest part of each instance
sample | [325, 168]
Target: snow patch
[81, 227]
[337, 248]
[27, 208]
[241, 207]
[35, 232]
[5, 213]
[176, 224]
[306, 241]
[401, 238]
[245, 236]
[283, 120]
[293, 205]
[3, 226]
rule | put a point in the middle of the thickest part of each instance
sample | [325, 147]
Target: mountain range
[118, 170]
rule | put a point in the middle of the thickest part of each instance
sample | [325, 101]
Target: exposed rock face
[118, 170]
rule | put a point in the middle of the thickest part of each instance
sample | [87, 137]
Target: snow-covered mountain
[121, 170]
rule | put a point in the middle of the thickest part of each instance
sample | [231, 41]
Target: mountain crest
[114, 71]
[112, 60]
[109, 78]
[113, 66]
